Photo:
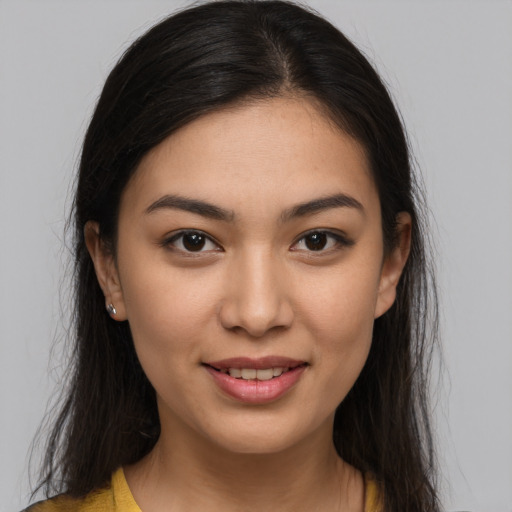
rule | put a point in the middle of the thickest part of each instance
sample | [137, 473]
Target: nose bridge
[256, 299]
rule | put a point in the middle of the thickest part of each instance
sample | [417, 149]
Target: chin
[253, 444]
[268, 436]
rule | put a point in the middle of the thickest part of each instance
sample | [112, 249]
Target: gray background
[449, 65]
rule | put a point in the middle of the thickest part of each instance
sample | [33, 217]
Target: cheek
[344, 334]
[168, 316]
[339, 312]
[168, 311]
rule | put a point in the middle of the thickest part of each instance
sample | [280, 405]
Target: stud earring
[111, 309]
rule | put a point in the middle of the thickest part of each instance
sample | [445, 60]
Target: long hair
[192, 63]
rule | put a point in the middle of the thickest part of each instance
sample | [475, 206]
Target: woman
[252, 284]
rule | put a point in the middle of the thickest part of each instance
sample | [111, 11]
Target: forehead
[279, 150]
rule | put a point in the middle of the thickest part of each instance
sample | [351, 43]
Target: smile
[256, 381]
[252, 373]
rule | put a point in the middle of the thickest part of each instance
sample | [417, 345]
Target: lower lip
[256, 391]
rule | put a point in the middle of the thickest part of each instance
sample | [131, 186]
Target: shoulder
[114, 498]
[373, 496]
[98, 501]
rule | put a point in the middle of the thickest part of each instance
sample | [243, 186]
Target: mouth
[265, 368]
[256, 380]
[253, 374]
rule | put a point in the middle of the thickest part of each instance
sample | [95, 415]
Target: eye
[320, 241]
[192, 241]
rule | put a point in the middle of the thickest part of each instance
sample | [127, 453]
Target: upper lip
[256, 363]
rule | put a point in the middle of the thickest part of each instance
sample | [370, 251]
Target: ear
[106, 270]
[394, 264]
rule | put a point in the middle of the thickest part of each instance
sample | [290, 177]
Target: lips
[252, 373]
[256, 381]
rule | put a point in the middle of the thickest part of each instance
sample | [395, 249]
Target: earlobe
[393, 265]
[106, 271]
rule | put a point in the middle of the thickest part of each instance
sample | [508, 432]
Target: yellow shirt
[118, 498]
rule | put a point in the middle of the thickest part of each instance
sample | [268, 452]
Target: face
[250, 268]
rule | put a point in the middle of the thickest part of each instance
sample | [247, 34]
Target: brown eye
[193, 241]
[315, 241]
[322, 242]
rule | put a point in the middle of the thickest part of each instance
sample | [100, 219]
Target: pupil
[316, 241]
[193, 241]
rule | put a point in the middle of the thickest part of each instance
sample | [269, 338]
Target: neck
[189, 472]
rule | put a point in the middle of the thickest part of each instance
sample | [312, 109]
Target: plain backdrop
[449, 67]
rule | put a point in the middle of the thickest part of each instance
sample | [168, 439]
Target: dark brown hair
[194, 62]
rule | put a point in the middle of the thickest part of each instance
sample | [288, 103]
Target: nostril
[255, 320]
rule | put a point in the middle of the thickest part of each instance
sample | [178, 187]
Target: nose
[255, 299]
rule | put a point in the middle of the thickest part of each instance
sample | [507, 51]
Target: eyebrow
[212, 211]
[321, 204]
[191, 205]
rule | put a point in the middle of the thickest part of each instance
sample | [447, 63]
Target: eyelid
[176, 235]
[341, 239]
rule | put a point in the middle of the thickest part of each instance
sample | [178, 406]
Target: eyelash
[171, 242]
[337, 241]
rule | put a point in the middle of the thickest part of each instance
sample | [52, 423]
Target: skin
[255, 289]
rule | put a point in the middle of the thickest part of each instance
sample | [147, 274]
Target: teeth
[277, 371]
[264, 374]
[251, 373]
